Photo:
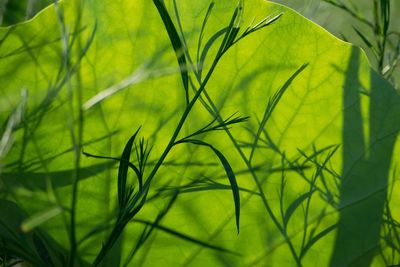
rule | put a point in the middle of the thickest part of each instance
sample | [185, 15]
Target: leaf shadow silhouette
[366, 166]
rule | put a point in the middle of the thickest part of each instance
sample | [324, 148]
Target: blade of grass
[207, 48]
[40, 218]
[295, 204]
[204, 185]
[130, 164]
[184, 236]
[123, 170]
[229, 173]
[6, 139]
[316, 238]
[261, 24]
[366, 41]
[272, 103]
[138, 76]
[232, 30]
[201, 35]
[182, 34]
[176, 44]
[237, 22]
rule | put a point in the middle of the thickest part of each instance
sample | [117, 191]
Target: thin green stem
[215, 112]
[257, 182]
[77, 145]
[351, 12]
[179, 127]
[112, 238]
[142, 195]
[139, 199]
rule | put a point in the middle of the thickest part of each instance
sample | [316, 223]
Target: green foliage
[373, 27]
[12, 11]
[207, 133]
[381, 41]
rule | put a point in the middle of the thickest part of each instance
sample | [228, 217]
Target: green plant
[131, 202]
[313, 144]
[12, 12]
[384, 48]
[373, 27]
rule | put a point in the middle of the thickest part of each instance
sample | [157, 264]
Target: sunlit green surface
[337, 105]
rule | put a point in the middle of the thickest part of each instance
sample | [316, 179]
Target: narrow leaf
[233, 29]
[130, 164]
[272, 103]
[295, 204]
[123, 170]
[366, 41]
[314, 240]
[207, 47]
[267, 21]
[183, 236]
[138, 76]
[236, 24]
[229, 173]
[176, 44]
[40, 218]
[203, 26]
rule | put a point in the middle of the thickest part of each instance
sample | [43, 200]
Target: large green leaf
[314, 164]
